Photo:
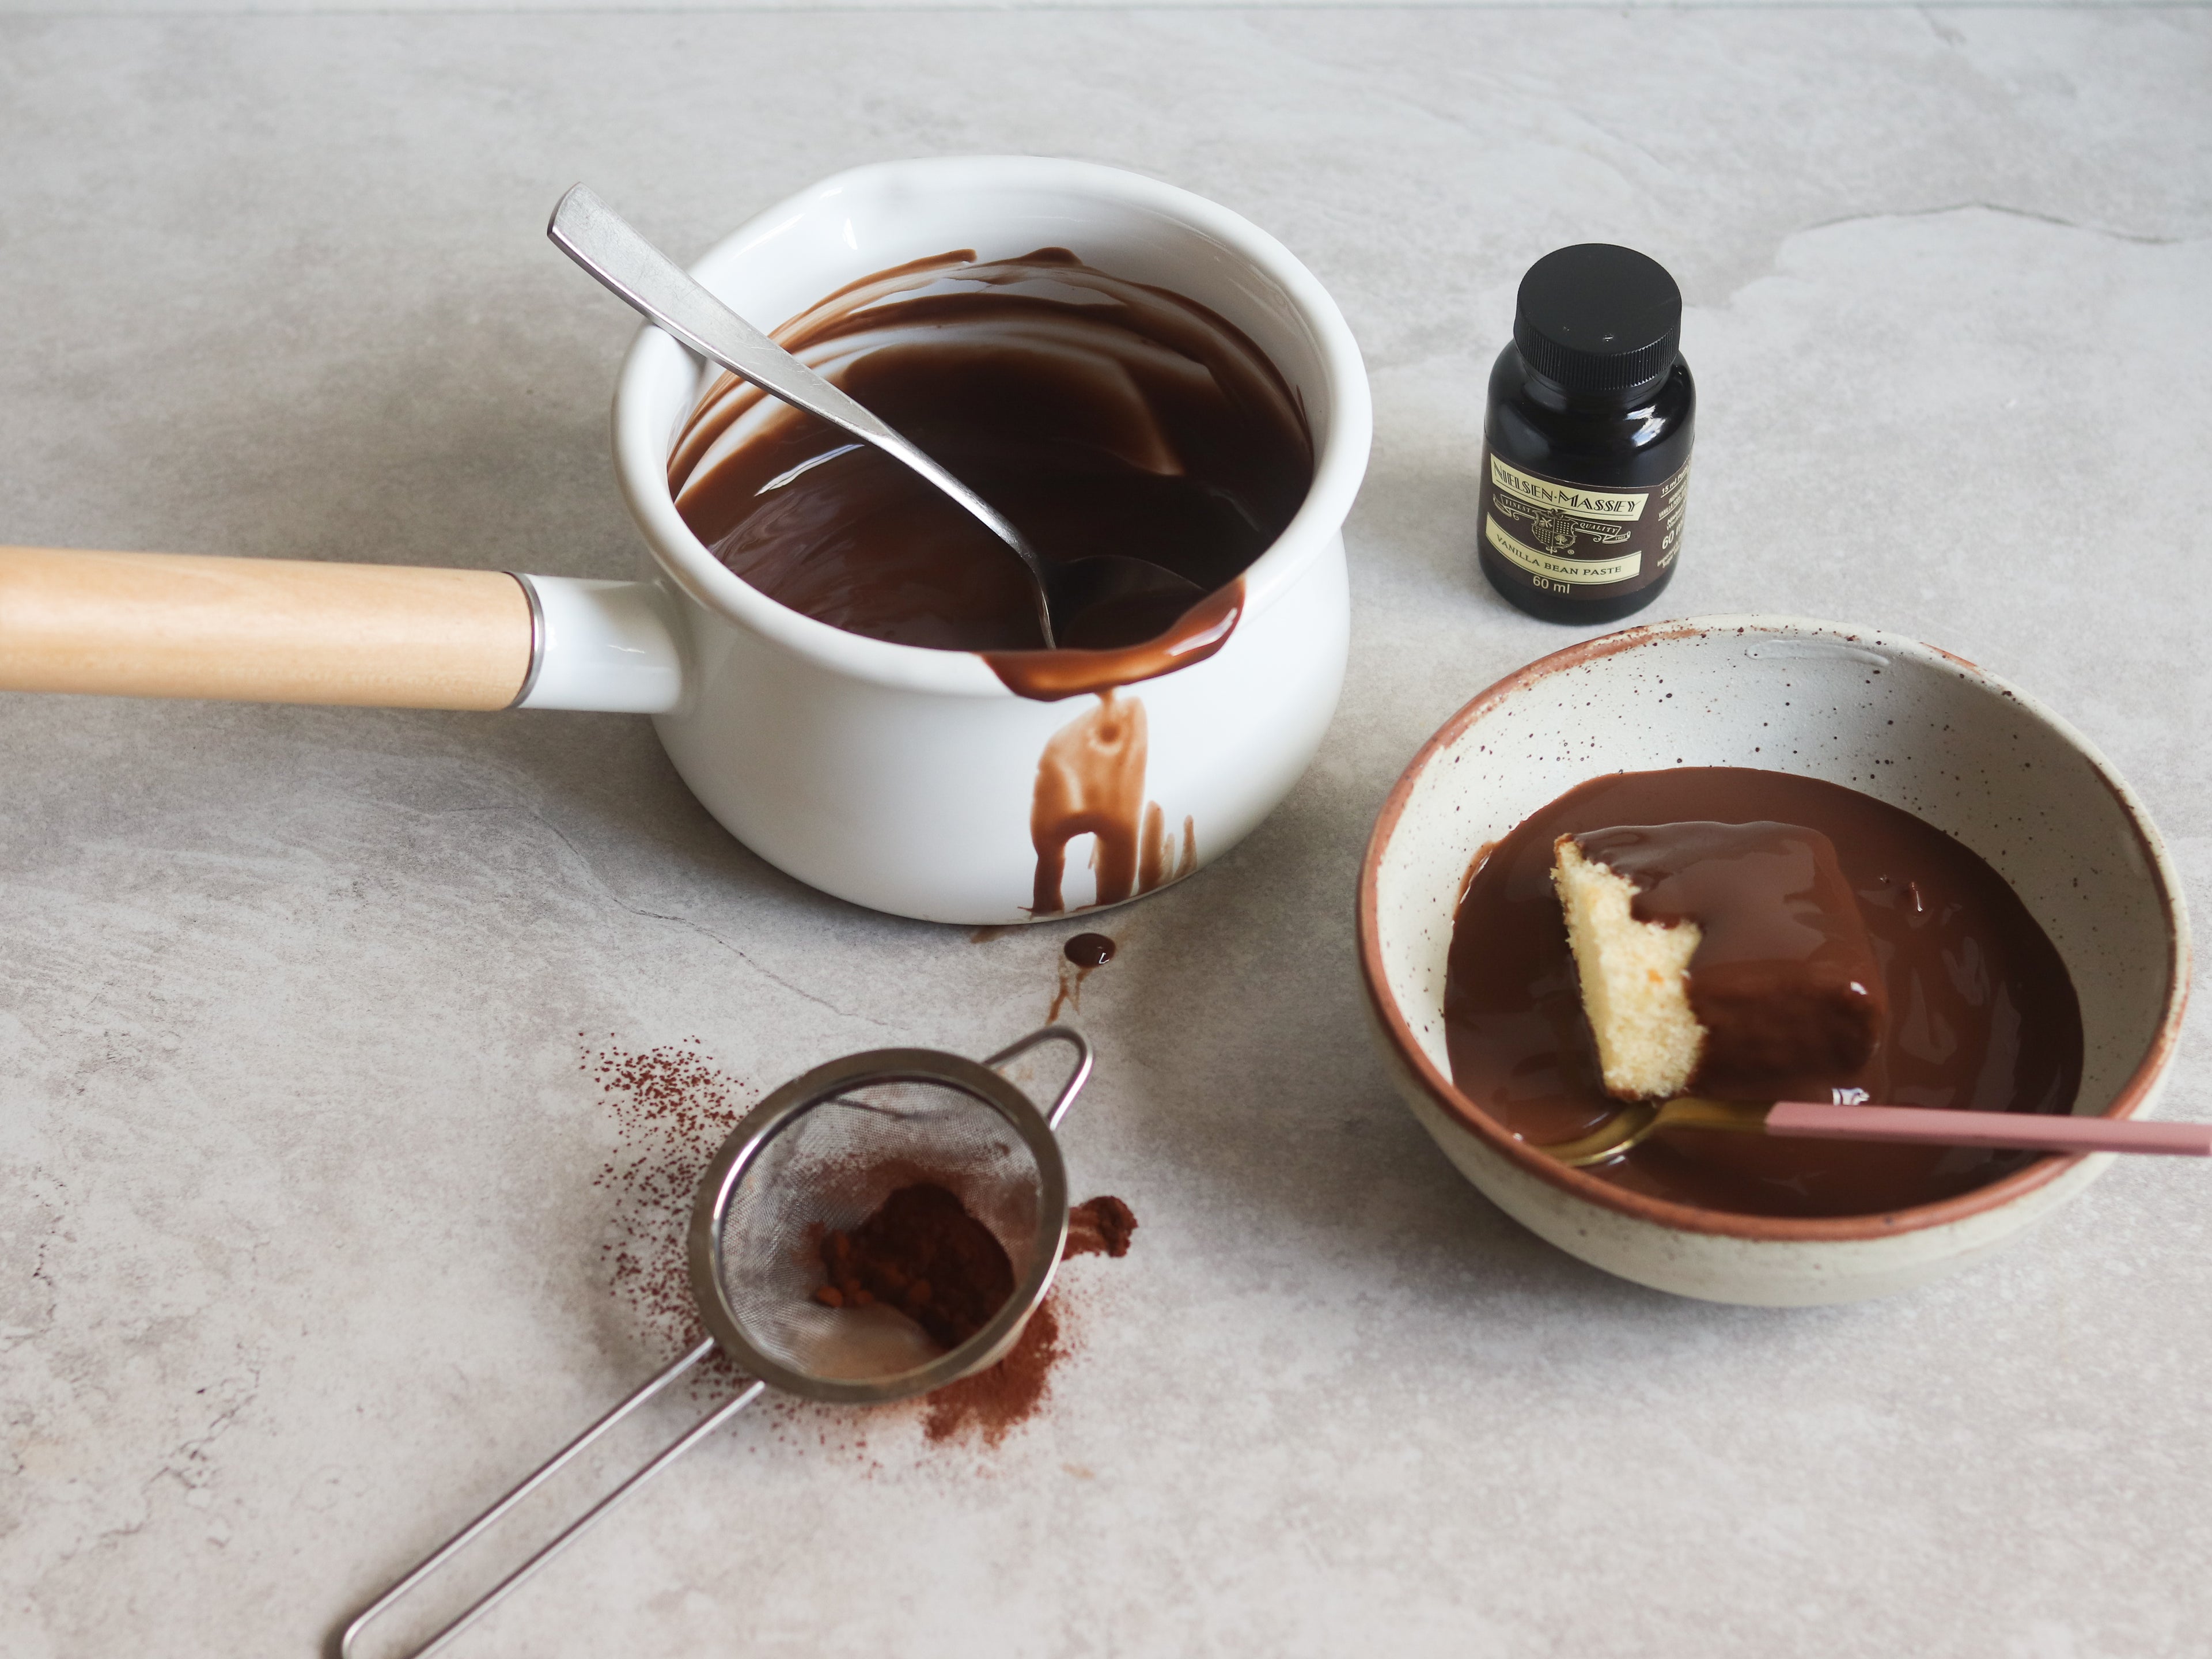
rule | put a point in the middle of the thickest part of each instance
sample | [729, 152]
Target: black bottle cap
[1597, 317]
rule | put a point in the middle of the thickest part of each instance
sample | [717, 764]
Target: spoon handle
[2024, 1131]
[603, 243]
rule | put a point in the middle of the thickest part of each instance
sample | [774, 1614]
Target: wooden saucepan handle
[261, 631]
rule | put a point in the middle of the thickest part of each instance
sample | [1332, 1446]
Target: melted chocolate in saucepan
[1976, 1011]
[1103, 416]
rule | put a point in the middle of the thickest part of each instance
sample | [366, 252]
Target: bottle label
[1577, 540]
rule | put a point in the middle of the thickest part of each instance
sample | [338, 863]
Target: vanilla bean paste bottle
[1586, 443]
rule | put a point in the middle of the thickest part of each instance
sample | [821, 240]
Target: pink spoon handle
[2018, 1129]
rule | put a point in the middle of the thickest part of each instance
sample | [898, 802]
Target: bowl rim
[1687, 1218]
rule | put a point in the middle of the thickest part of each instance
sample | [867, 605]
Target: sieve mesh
[827, 1167]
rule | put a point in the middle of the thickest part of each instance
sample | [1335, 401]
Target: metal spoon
[1807, 1119]
[597, 238]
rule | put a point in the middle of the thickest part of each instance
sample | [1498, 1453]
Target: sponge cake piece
[1729, 959]
[1635, 980]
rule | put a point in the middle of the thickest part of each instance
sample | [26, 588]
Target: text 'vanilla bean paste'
[1976, 1010]
[1101, 416]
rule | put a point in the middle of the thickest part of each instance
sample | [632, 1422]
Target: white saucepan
[909, 779]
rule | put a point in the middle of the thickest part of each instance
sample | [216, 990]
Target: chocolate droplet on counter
[922, 1253]
[1088, 949]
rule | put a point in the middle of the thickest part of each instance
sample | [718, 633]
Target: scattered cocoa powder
[996, 1401]
[1099, 1226]
[922, 1253]
[671, 1108]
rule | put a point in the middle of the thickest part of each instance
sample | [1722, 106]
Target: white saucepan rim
[640, 440]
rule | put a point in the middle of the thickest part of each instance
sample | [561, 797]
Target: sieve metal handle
[1076, 1079]
[499, 1592]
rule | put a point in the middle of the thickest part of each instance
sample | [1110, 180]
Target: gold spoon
[2023, 1130]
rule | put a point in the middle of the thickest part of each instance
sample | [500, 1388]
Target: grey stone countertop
[313, 1213]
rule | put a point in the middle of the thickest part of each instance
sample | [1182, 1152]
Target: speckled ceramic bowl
[1897, 720]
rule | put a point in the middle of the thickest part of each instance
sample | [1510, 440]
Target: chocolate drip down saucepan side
[947, 784]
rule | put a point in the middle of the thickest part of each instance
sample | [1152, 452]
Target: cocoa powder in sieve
[922, 1253]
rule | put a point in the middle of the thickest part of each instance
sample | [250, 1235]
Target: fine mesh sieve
[819, 1156]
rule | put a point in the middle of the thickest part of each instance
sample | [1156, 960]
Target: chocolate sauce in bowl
[1980, 1013]
[1102, 416]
